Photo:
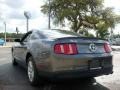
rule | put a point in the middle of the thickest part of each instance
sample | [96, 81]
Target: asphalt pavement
[15, 78]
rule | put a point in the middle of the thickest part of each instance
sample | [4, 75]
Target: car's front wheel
[32, 72]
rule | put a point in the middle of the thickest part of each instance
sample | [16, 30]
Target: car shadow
[78, 85]
[15, 76]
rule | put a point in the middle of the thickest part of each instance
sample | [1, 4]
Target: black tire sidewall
[36, 76]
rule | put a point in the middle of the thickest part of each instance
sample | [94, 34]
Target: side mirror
[17, 40]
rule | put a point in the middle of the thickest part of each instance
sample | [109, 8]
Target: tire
[32, 72]
[14, 62]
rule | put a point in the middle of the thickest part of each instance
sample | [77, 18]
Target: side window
[27, 38]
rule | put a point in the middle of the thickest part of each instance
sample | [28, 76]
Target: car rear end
[78, 57]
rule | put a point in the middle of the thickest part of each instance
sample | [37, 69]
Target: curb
[5, 46]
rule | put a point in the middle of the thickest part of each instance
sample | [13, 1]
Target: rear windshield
[59, 33]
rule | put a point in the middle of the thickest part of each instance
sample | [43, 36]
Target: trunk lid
[85, 44]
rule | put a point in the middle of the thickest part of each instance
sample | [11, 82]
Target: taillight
[107, 48]
[68, 49]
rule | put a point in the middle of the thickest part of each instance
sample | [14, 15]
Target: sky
[12, 12]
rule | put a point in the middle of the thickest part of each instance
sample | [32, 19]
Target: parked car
[60, 55]
[2, 42]
[117, 41]
[112, 41]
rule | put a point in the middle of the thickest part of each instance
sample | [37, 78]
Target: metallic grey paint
[41, 47]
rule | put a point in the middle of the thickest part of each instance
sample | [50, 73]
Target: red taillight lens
[67, 49]
[107, 48]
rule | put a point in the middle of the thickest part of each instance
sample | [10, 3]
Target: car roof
[57, 33]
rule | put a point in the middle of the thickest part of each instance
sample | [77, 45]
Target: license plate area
[94, 64]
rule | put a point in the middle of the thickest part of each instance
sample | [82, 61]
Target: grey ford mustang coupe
[60, 55]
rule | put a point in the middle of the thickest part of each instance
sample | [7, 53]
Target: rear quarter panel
[41, 52]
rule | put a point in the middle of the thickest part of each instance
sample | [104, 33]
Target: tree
[84, 31]
[82, 13]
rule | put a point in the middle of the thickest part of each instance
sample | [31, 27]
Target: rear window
[59, 33]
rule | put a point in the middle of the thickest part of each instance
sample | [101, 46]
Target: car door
[16, 49]
[23, 47]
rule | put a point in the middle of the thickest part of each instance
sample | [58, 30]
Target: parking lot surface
[15, 78]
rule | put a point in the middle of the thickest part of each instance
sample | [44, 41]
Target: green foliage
[11, 35]
[82, 13]
[85, 32]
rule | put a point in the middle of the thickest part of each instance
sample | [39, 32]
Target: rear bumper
[74, 74]
[90, 70]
